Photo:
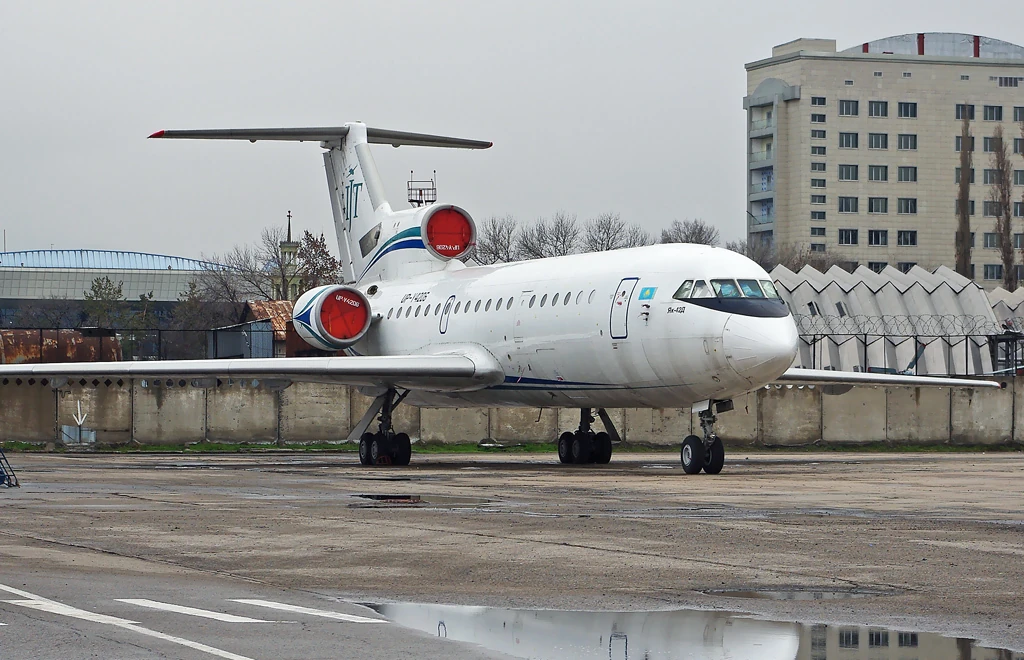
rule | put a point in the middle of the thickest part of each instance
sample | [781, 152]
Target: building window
[817, 231]
[1008, 81]
[907, 640]
[848, 140]
[959, 142]
[817, 134]
[818, 150]
[878, 140]
[956, 176]
[878, 108]
[906, 74]
[848, 83]
[847, 204]
[848, 173]
[817, 100]
[878, 638]
[961, 107]
[847, 236]
[907, 174]
[992, 240]
[1018, 113]
[907, 142]
[990, 209]
[878, 204]
[817, 215]
[877, 266]
[907, 110]
[991, 176]
[906, 205]
[817, 247]
[817, 167]
[991, 144]
[1018, 145]
[878, 172]
[1018, 241]
[849, 638]
[849, 108]
[906, 238]
[905, 266]
[964, 76]
[1018, 177]
[817, 118]
[993, 271]
[817, 199]
[878, 237]
[970, 207]
[1018, 209]
[994, 112]
[817, 183]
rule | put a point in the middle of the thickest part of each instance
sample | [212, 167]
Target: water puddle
[800, 594]
[691, 634]
[378, 500]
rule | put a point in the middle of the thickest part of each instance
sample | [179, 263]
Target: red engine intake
[332, 317]
[448, 232]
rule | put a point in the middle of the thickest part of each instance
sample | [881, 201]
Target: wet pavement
[854, 545]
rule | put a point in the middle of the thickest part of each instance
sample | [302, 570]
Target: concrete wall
[178, 413]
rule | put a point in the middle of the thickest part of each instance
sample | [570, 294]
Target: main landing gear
[385, 447]
[707, 454]
[585, 446]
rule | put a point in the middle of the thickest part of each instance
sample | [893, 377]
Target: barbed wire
[919, 325]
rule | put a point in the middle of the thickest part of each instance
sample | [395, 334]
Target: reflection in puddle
[799, 594]
[691, 634]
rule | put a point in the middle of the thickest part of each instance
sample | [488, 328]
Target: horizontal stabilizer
[324, 134]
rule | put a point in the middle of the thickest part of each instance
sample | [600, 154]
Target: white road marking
[194, 611]
[47, 605]
[351, 618]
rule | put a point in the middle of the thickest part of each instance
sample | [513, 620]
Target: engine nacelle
[331, 317]
[448, 231]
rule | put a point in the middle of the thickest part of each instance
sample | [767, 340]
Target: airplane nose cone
[760, 349]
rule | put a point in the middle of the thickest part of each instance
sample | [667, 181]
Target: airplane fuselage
[591, 330]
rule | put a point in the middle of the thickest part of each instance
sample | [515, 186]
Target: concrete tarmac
[146, 556]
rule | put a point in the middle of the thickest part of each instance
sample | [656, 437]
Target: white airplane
[663, 326]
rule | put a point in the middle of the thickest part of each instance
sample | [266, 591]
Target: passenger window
[437, 310]
[543, 299]
[448, 307]
[408, 311]
[399, 314]
[769, 289]
[477, 308]
[457, 306]
[701, 290]
[590, 298]
[509, 304]
[498, 306]
[417, 314]
[554, 301]
[568, 297]
[725, 288]
[465, 310]
[750, 289]
[389, 312]
[487, 307]
[683, 292]
[533, 299]
[579, 297]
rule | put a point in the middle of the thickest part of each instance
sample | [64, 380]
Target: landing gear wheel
[565, 447]
[376, 448]
[602, 448]
[714, 457]
[582, 449]
[692, 454]
[403, 449]
[364, 449]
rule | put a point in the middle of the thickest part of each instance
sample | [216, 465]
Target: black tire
[602, 448]
[376, 448]
[364, 449]
[565, 447]
[582, 449]
[403, 449]
[714, 457]
[692, 454]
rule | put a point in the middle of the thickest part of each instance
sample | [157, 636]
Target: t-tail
[376, 242]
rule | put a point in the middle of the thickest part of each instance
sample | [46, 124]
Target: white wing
[828, 377]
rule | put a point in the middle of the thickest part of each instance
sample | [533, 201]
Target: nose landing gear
[585, 446]
[706, 454]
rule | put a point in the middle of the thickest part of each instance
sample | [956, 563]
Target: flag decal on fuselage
[647, 292]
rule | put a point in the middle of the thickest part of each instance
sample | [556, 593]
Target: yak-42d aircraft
[661, 326]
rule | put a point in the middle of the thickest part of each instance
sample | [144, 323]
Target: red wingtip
[157, 134]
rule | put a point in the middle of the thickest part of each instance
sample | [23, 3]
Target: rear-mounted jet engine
[331, 317]
[448, 232]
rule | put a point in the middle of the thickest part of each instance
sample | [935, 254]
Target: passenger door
[620, 308]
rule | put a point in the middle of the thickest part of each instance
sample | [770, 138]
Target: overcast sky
[592, 106]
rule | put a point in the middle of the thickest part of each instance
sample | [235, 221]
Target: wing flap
[827, 377]
[452, 372]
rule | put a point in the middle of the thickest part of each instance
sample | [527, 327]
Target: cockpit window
[683, 292]
[701, 290]
[750, 289]
[769, 289]
[726, 288]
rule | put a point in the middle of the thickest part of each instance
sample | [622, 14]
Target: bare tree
[317, 266]
[762, 253]
[496, 242]
[690, 231]
[963, 196]
[249, 272]
[795, 256]
[1001, 195]
[549, 238]
[608, 232]
[54, 312]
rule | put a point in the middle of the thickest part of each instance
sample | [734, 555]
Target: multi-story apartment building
[855, 152]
